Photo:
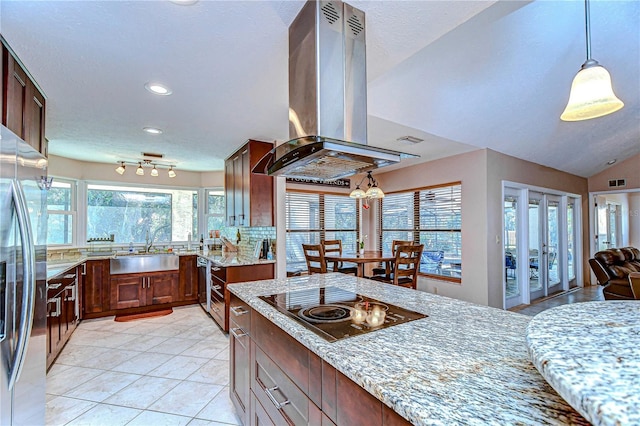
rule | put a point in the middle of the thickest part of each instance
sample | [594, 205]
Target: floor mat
[133, 317]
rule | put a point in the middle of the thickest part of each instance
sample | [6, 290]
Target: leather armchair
[612, 268]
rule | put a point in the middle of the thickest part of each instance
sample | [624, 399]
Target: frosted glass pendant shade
[357, 193]
[120, 169]
[140, 170]
[374, 192]
[591, 94]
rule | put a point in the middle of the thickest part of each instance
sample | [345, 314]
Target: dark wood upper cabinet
[23, 105]
[249, 196]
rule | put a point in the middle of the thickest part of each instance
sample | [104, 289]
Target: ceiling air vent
[617, 183]
[152, 155]
[329, 11]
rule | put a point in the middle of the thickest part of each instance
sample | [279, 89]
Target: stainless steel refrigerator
[23, 256]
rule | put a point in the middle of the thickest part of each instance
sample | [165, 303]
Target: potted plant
[361, 245]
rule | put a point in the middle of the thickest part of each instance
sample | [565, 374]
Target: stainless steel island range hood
[327, 98]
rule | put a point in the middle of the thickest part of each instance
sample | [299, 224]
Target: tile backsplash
[249, 236]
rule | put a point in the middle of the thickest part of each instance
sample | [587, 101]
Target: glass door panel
[552, 244]
[512, 286]
[571, 242]
[535, 242]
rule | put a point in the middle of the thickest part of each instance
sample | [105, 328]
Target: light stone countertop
[464, 364]
[590, 353]
[59, 266]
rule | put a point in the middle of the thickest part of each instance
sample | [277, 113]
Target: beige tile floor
[170, 370]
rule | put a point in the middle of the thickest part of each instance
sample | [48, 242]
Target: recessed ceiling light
[158, 89]
[152, 130]
[610, 162]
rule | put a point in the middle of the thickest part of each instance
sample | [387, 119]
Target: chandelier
[373, 191]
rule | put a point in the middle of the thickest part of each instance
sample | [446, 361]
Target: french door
[541, 243]
[545, 228]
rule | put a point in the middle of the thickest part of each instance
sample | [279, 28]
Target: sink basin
[144, 263]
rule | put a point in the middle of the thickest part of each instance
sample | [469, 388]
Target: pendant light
[372, 192]
[591, 91]
[171, 173]
[154, 171]
[121, 168]
[140, 170]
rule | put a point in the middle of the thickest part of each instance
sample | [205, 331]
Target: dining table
[360, 259]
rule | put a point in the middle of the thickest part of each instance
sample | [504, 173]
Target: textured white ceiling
[460, 74]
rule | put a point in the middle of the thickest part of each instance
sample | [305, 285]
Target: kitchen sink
[144, 263]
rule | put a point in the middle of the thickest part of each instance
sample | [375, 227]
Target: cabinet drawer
[219, 272]
[283, 401]
[240, 313]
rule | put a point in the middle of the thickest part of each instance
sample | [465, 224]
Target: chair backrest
[396, 243]
[634, 280]
[407, 263]
[510, 260]
[314, 255]
[332, 246]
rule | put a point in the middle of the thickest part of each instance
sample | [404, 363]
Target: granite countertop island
[590, 353]
[463, 364]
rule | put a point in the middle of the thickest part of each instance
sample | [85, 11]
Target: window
[135, 214]
[215, 209]
[61, 210]
[311, 217]
[431, 216]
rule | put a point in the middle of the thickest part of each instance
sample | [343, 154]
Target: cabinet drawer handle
[238, 310]
[215, 269]
[55, 286]
[58, 302]
[71, 298]
[238, 334]
[217, 287]
[273, 399]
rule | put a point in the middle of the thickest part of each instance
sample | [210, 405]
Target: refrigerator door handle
[28, 278]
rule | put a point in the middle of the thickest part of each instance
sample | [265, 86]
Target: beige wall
[628, 169]
[634, 219]
[81, 170]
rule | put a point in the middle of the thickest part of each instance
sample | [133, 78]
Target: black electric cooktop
[334, 313]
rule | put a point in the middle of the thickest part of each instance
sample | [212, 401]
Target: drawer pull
[273, 399]
[238, 310]
[71, 298]
[238, 334]
[215, 268]
[58, 302]
[54, 286]
[216, 287]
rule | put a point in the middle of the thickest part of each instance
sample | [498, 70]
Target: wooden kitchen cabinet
[23, 104]
[95, 291]
[289, 384]
[188, 284]
[239, 347]
[223, 275]
[137, 290]
[248, 196]
[62, 311]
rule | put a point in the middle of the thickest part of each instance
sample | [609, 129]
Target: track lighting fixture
[141, 166]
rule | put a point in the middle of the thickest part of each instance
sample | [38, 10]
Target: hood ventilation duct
[327, 98]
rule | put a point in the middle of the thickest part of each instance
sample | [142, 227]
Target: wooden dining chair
[406, 266]
[314, 256]
[335, 246]
[388, 269]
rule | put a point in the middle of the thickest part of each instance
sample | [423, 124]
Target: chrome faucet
[149, 241]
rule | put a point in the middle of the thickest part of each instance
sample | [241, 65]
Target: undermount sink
[144, 263]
